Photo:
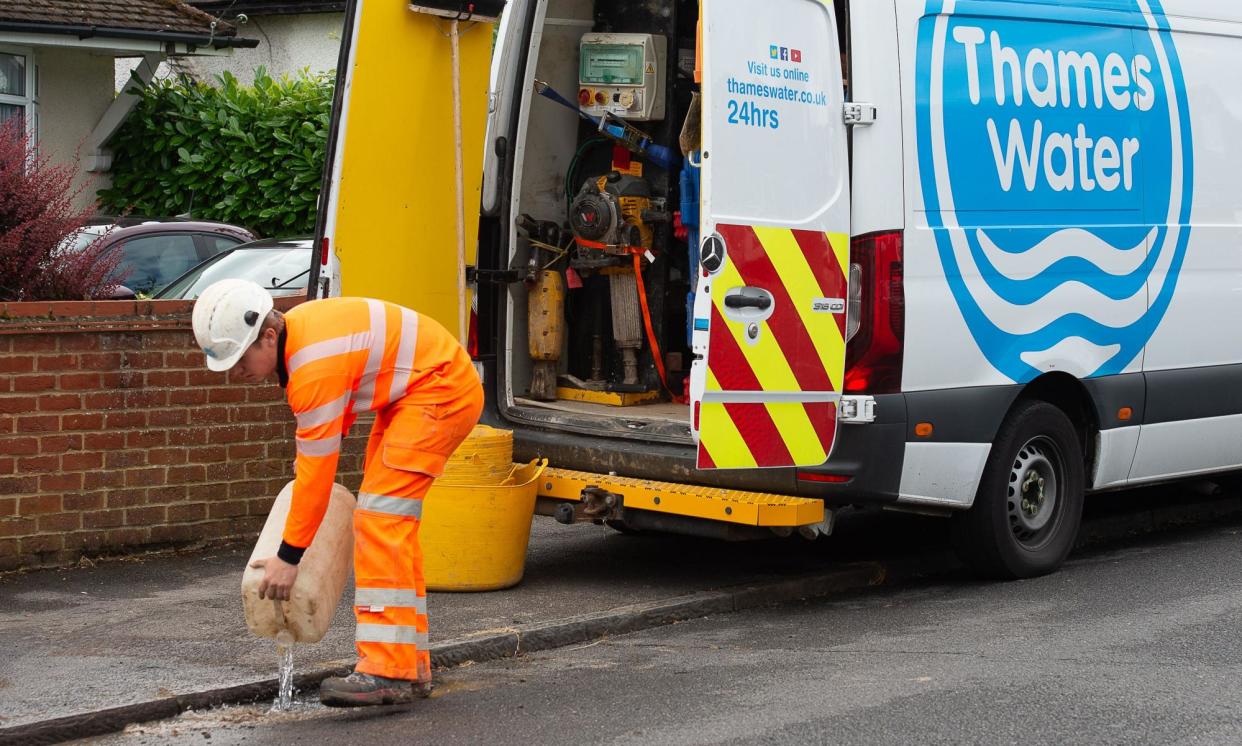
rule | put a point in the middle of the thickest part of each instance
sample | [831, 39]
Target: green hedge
[248, 155]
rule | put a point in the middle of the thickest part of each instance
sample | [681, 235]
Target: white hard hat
[227, 319]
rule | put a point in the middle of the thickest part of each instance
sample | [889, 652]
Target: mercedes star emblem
[713, 254]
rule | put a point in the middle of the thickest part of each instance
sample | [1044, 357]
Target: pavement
[1137, 643]
[162, 628]
[132, 631]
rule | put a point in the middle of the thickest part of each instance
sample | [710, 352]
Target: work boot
[363, 689]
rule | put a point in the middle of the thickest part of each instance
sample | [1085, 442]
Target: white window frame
[30, 102]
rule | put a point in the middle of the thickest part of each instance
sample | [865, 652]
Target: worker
[337, 358]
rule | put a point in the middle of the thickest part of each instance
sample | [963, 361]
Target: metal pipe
[86, 32]
[462, 316]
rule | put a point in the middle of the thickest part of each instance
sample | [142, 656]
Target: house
[293, 35]
[57, 61]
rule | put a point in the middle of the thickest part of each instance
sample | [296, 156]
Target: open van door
[399, 203]
[769, 321]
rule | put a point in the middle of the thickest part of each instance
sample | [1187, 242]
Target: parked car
[156, 252]
[280, 265]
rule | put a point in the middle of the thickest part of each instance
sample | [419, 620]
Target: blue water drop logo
[1056, 165]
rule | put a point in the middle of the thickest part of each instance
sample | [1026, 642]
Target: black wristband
[289, 553]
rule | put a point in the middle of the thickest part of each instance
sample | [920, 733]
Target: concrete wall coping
[54, 317]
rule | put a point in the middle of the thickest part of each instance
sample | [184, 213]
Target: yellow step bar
[711, 503]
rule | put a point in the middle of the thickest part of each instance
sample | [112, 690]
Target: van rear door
[769, 327]
[399, 206]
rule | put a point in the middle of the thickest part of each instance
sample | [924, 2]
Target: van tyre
[1027, 511]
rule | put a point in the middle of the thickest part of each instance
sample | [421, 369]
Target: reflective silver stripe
[408, 506]
[324, 414]
[327, 348]
[405, 355]
[324, 447]
[379, 340]
[403, 598]
[391, 633]
[365, 393]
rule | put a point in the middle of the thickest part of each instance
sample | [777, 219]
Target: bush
[248, 155]
[37, 214]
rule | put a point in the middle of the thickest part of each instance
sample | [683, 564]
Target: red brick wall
[115, 437]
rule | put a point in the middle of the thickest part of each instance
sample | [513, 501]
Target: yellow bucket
[474, 537]
[485, 457]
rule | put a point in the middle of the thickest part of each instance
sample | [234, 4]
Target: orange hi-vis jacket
[340, 357]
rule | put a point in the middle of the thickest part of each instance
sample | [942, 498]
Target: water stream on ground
[284, 696]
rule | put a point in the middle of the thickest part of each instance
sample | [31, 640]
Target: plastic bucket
[485, 457]
[474, 536]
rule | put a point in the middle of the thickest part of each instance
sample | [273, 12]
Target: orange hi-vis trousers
[338, 358]
[390, 601]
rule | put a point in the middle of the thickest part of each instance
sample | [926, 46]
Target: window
[151, 262]
[220, 243]
[19, 92]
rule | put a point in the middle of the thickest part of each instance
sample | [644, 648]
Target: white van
[962, 257]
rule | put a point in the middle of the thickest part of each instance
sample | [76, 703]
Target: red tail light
[810, 476]
[323, 251]
[873, 354]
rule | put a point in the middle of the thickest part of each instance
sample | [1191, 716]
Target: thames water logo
[1057, 168]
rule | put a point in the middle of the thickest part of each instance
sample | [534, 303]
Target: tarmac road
[1137, 643]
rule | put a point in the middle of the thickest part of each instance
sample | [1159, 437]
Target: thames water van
[743, 263]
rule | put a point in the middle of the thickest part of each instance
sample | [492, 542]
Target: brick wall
[115, 437]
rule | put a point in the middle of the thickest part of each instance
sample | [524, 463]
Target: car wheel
[1028, 507]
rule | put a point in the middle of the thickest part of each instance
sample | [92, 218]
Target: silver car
[280, 265]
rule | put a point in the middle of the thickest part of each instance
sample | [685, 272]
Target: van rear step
[601, 497]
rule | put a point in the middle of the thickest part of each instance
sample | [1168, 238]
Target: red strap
[651, 338]
[635, 250]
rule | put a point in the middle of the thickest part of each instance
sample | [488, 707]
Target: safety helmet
[227, 319]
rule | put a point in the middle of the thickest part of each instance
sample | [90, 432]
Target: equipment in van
[545, 305]
[611, 219]
[623, 133]
[622, 75]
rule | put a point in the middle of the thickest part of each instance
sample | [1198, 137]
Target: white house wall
[74, 91]
[287, 43]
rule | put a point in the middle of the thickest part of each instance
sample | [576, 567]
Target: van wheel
[1029, 505]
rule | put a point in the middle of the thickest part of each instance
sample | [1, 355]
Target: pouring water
[284, 651]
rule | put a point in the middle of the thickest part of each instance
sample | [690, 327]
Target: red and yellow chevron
[799, 349]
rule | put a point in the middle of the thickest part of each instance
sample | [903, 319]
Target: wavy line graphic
[1024, 277]
[1028, 306]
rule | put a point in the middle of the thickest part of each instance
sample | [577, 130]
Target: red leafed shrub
[37, 215]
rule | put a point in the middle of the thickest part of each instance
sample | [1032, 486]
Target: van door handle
[762, 302]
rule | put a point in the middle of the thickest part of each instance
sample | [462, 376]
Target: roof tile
[144, 15]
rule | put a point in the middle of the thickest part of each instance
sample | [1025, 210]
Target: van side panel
[939, 349]
[1194, 359]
